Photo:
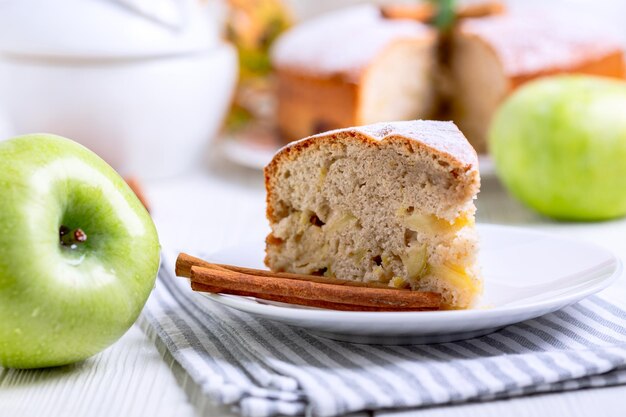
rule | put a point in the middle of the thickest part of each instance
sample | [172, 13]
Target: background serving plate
[526, 274]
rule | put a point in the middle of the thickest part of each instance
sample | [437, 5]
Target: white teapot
[143, 83]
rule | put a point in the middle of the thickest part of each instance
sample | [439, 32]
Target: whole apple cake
[364, 65]
[388, 202]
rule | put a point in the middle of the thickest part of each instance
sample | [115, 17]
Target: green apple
[559, 145]
[78, 253]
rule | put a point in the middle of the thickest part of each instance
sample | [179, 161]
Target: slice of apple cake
[388, 202]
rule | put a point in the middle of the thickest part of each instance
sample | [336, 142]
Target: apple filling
[455, 276]
[424, 234]
[333, 240]
[429, 223]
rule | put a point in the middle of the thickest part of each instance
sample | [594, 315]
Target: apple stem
[71, 237]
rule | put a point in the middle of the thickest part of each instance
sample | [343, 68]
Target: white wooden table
[136, 377]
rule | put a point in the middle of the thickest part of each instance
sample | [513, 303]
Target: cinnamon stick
[197, 286]
[291, 290]
[185, 262]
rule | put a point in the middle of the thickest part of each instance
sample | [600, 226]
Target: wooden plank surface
[128, 379]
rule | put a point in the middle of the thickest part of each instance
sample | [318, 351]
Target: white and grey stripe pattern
[264, 368]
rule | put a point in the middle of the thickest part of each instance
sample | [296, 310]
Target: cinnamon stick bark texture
[291, 290]
[196, 286]
[288, 288]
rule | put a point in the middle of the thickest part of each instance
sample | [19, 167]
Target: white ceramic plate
[247, 153]
[527, 274]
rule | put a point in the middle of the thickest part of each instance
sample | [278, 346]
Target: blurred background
[154, 86]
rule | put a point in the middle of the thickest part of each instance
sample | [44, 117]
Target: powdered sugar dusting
[342, 42]
[444, 137]
[533, 41]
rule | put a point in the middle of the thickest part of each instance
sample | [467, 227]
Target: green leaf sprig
[444, 19]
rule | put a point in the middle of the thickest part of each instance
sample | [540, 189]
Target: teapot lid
[100, 29]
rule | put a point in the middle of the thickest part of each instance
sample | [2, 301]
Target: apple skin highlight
[61, 300]
[559, 146]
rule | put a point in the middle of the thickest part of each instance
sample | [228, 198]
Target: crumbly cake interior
[388, 211]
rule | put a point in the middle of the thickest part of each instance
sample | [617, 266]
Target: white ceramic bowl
[151, 117]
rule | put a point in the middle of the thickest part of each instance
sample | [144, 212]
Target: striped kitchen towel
[263, 368]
